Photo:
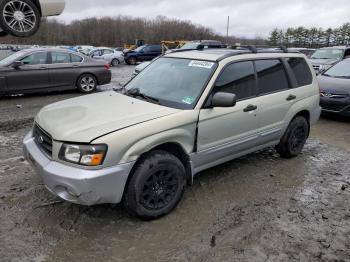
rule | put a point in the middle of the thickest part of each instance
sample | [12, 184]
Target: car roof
[217, 55]
[336, 47]
[32, 50]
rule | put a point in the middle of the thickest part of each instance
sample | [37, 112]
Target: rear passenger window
[272, 76]
[301, 71]
[60, 58]
[238, 79]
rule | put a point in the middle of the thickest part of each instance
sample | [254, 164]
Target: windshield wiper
[135, 92]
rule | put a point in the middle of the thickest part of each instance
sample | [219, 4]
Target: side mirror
[17, 64]
[222, 99]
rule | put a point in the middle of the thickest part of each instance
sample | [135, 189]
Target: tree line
[120, 30]
[311, 37]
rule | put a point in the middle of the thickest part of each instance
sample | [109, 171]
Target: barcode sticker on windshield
[202, 64]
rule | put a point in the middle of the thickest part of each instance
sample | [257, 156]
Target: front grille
[43, 140]
[335, 108]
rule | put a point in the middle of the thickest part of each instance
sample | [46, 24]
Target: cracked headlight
[86, 155]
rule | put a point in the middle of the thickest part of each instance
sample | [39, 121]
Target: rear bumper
[80, 186]
[105, 78]
[315, 115]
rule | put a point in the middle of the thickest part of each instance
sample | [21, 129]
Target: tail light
[106, 66]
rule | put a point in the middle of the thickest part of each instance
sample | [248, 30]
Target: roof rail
[256, 49]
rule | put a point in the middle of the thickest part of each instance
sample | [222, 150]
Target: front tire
[87, 83]
[132, 61]
[20, 18]
[156, 186]
[294, 139]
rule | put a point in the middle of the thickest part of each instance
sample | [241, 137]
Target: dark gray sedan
[335, 89]
[35, 70]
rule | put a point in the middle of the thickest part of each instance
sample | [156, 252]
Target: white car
[112, 57]
[22, 18]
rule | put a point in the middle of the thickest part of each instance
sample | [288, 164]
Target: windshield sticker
[188, 100]
[202, 64]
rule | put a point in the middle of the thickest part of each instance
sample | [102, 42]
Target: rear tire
[294, 139]
[87, 83]
[22, 17]
[156, 186]
[115, 62]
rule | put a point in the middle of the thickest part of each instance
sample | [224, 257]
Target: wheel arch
[85, 73]
[173, 148]
[37, 4]
[306, 114]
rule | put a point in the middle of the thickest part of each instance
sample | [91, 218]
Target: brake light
[106, 66]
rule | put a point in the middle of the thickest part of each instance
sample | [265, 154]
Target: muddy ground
[256, 208]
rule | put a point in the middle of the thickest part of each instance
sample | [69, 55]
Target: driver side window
[238, 79]
[35, 59]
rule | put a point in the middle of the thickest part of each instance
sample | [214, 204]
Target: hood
[323, 61]
[85, 118]
[334, 85]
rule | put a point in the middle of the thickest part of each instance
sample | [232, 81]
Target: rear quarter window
[301, 71]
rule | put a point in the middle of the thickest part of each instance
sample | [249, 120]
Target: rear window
[272, 76]
[301, 71]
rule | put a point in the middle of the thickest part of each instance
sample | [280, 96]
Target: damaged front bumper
[80, 186]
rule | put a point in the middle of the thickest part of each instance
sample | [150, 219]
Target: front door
[34, 74]
[225, 132]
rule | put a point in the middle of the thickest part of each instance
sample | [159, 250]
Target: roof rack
[260, 48]
[248, 49]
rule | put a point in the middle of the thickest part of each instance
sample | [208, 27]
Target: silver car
[186, 112]
[22, 18]
[113, 57]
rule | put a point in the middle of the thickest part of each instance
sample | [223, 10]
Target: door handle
[291, 97]
[250, 108]
[42, 68]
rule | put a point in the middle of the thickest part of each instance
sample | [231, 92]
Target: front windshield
[328, 54]
[11, 58]
[174, 82]
[341, 70]
[190, 46]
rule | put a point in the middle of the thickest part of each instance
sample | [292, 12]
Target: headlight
[86, 155]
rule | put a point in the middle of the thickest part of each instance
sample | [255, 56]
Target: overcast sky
[249, 18]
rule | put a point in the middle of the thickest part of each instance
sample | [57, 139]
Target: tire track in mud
[308, 223]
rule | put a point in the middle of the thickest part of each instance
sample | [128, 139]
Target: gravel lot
[256, 208]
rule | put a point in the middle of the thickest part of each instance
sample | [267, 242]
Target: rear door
[223, 132]
[107, 55]
[275, 98]
[34, 74]
[62, 70]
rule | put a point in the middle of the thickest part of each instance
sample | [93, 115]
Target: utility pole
[228, 25]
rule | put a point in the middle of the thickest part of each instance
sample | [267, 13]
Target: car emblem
[326, 95]
[41, 139]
